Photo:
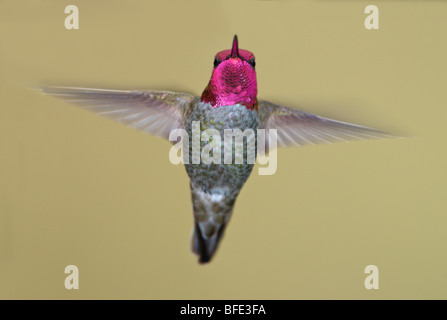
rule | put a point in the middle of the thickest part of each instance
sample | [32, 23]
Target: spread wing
[298, 128]
[154, 112]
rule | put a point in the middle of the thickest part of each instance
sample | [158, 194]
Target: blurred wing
[297, 128]
[154, 112]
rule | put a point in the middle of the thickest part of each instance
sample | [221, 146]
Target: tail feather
[205, 247]
[212, 211]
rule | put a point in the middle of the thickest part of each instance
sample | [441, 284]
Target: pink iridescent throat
[233, 80]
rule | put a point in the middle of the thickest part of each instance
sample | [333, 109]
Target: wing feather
[154, 112]
[298, 128]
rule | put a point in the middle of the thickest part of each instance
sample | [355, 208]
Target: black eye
[252, 62]
[217, 62]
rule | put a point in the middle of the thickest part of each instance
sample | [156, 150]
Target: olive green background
[79, 189]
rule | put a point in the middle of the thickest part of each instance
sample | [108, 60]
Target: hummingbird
[229, 101]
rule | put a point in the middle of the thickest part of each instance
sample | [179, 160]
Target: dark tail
[206, 247]
[212, 213]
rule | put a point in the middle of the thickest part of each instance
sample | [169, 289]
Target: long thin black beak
[235, 48]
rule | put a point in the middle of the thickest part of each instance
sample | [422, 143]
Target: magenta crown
[233, 80]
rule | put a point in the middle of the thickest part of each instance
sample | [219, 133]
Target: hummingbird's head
[233, 79]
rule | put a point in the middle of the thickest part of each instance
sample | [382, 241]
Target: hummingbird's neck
[219, 93]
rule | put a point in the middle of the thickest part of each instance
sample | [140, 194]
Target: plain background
[79, 189]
